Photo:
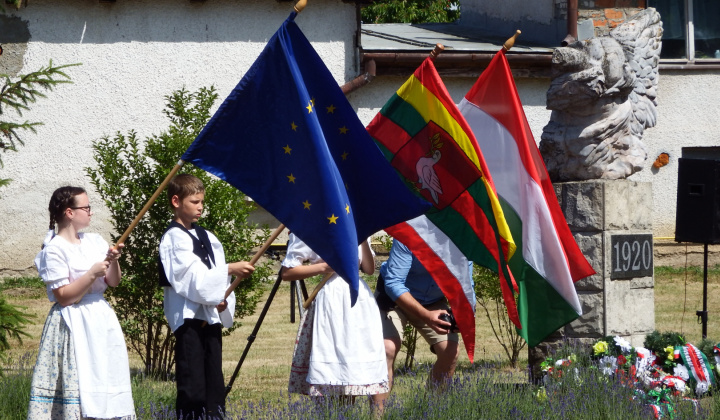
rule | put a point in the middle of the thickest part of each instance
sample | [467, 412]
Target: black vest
[201, 248]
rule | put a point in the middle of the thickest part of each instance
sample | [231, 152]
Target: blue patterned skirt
[55, 393]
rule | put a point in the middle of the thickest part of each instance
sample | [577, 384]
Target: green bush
[126, 176]
[657, 341]
[489, 297]
[706, 346]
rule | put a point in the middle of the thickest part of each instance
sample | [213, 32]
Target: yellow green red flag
[427, 140]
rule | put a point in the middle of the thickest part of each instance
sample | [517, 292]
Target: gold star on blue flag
[319, 173]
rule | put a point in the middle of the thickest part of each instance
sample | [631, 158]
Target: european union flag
[287, 137]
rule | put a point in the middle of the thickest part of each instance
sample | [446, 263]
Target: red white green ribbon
[697, 364]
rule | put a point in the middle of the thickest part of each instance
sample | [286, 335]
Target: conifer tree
[18, 94]
[12, 325]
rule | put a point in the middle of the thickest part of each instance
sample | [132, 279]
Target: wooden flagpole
[300, 5]
[315, 291]
[142, 212]
[256, 257]
[154, 197]
[151, 201]
[511, 41]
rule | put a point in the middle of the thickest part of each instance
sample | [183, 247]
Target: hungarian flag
[550, 261]
[422, 133]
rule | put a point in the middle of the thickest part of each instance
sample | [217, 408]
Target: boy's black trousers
[198, 370]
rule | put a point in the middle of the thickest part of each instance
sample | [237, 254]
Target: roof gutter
[455, 63]
[450, 57]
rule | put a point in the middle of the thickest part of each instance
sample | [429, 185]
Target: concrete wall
[133, 53]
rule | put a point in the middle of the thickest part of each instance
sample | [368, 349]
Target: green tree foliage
[16, 3]
[411, 11]
[126, 176]
[17, 94]
[12, 323]
[489, 297]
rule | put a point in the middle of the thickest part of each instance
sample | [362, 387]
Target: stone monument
[603, 96]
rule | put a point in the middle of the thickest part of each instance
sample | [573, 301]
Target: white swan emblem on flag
[427, 177]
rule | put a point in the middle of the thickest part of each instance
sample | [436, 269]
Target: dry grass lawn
[265, 372]
[678, 294]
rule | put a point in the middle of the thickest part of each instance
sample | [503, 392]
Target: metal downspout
[572, 21]
[369, 65]
[361, 80]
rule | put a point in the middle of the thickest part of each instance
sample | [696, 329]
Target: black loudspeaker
[698, 201]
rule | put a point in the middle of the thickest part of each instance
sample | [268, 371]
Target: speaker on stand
[697, 218]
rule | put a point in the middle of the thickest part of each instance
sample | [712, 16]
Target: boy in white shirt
[195, 276]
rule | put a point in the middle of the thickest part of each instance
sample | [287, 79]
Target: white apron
[101, 357]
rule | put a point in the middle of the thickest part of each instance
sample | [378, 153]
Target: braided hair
[61, 200]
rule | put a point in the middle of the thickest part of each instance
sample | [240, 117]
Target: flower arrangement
[666, 371]
[558, 368]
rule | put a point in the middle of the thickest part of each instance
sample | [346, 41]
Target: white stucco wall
[688, 112]
[133, 53]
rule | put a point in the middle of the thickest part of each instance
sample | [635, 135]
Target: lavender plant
[15, 387]
[481, 391]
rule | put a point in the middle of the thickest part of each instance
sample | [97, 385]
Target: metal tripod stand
[298, 292]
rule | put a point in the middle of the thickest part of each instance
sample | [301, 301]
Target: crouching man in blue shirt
[406, 292]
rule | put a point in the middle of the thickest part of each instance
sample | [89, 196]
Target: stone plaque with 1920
[631, 256]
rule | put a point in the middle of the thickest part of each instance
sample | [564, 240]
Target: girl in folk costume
[339, 349]
[82, 366]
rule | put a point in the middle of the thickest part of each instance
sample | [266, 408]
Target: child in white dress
[82, 366]
[339, 349]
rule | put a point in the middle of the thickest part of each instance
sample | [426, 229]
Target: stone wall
[595, 211]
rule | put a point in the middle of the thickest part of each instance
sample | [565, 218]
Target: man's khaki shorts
[394, 321]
